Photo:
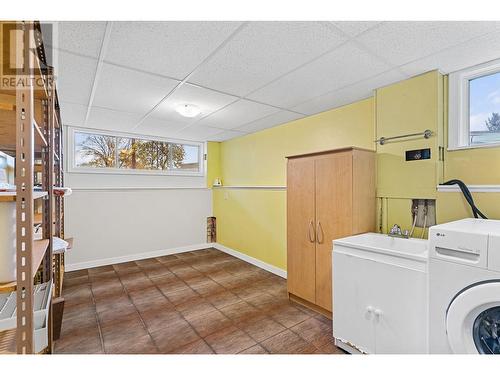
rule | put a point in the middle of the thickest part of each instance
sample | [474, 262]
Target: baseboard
[251, 260]
[151, 254]
[137, 256]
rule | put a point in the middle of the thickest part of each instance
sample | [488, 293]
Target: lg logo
[440, 234]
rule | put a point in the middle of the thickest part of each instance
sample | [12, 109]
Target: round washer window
[486, 331]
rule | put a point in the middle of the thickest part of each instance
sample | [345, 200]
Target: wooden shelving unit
[7, 196]
[38, 253]
[30, 128]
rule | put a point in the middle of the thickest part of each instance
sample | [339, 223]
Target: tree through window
[105, 151]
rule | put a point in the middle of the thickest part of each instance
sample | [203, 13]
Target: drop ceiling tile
[237, 114]
[73, 114]
[198, 133]
[81, 37]
[172, 48]
[156, 126]
[127, 90]
[208, 101]
[349, 94]
[75, 76]
[354, 28]
[479, 50]
[226, 136]
[263, 51]
[341, 67]
[107, 119]
[403, 41]
[274, 119]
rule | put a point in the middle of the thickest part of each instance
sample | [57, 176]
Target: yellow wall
[480, 166]
[259, 158]
[254, 221]
[213, 162]
[409, 107]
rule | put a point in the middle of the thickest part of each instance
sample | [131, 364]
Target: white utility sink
[411, 248]
[379, 294]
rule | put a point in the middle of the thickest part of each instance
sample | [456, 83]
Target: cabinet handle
[311, 236]
[319, 233]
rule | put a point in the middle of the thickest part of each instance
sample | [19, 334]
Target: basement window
[100, 152]
[474, 107]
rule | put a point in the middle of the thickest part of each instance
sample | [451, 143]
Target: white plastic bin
[41, 305]
[7, 241]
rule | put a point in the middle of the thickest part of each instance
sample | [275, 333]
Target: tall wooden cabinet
[330, 195]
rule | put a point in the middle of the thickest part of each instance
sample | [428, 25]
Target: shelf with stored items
[29, 131]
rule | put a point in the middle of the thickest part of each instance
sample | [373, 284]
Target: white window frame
[71, 162]
[458, 105]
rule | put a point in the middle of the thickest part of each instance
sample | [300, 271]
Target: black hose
[468, 197]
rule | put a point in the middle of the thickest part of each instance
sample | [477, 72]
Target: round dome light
[188, 110]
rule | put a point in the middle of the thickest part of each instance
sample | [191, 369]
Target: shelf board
[39, 249]
[40, 133]
[10, 196]
[8, 342]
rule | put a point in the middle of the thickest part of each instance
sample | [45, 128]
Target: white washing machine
[464, 287]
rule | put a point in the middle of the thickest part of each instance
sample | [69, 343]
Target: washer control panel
[460, 247]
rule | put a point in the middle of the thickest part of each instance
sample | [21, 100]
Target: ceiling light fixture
[188, 110]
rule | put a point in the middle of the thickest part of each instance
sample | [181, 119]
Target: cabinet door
[399, 298]
[354, 292]
[301, 256]
[333, 216]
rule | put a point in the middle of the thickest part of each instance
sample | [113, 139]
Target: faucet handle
[396, 229]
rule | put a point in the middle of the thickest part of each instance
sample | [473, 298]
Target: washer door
[473, 320]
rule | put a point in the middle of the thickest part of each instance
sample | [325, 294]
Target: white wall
[115, 217]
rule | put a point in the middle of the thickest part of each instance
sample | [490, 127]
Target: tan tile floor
[198, 302]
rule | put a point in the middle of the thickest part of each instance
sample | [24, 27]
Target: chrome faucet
[397, 232]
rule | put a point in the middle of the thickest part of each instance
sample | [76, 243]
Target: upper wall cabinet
[408, 107]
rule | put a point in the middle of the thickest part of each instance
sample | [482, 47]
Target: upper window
[110, 153]
[474, 119]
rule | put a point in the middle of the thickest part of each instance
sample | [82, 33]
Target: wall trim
[261, 187]
[131, 188]
[136, 256]
[177, 250]
[472, 188]
[247, 258]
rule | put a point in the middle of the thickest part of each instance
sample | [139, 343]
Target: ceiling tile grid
[476, 51]
[226, 135]
[73, 114]
[104, 118]
[83, 38]
[128, 90]
[354, 28]
[401, 42]
[334, 70]
[273, 119]
[75, 76]
[208, 101]
[237, 114]
[198, 133]
[245, 77]
[262, 52]
[349, 94]
[172, 49]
